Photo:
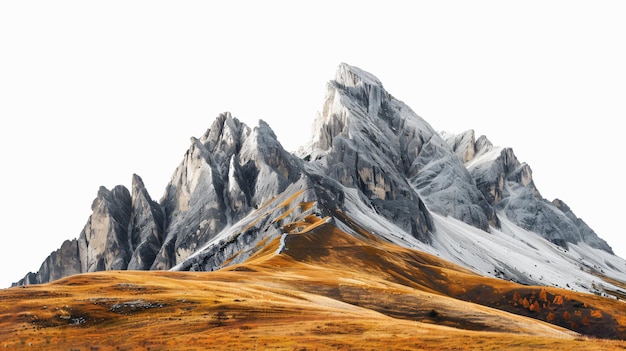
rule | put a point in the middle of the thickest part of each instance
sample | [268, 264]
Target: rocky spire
[103, 243]
[225, 174]
[146, 227]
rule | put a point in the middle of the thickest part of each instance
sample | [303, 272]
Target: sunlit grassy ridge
[326, 290]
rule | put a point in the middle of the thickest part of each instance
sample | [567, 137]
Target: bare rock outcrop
[146, 227]
[367, 139]
[231, 170]
[103, 243]
[508, 186]
[587, 234]
[63, 262]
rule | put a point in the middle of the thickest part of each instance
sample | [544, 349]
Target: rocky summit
[372, 167]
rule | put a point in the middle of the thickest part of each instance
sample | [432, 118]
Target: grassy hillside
[327, 290]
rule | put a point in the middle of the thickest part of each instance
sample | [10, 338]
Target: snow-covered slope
[508, 252]
[519, 255]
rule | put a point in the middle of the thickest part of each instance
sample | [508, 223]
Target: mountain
[375, 190]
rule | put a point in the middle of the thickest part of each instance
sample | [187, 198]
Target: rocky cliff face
[371, 165]
[61, 263]
[147, 222]
[508, 186]
[366, 139]
[225, 174]
[103, 243]
[586, 234]
[122, 233]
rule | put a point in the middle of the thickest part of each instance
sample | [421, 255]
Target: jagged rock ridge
[508, 185]
[372, 164]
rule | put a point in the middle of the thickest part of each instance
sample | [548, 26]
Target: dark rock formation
[146, 227]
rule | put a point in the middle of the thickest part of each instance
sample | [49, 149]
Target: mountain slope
[318, 288]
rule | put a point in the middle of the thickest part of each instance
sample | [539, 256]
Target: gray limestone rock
[123, 232]
[449, 188]
[226, 174]
[586, 233]
[359, 140]
[508, 185]
[463, 145]
[238, 242]
[103, 243]
[146, 227]
[61, 263]
[368, 140]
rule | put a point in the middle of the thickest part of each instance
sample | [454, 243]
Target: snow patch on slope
[516, 254]
[379, 225]
[282, 244]
[484, 157]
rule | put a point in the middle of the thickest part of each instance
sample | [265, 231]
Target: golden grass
[232, 310]
[327, 291]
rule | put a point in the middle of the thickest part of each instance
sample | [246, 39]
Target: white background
[92, 92]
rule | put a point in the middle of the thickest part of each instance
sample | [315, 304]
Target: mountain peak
[351, 76]
[264, 132]
[357, 107]
[368, 140]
